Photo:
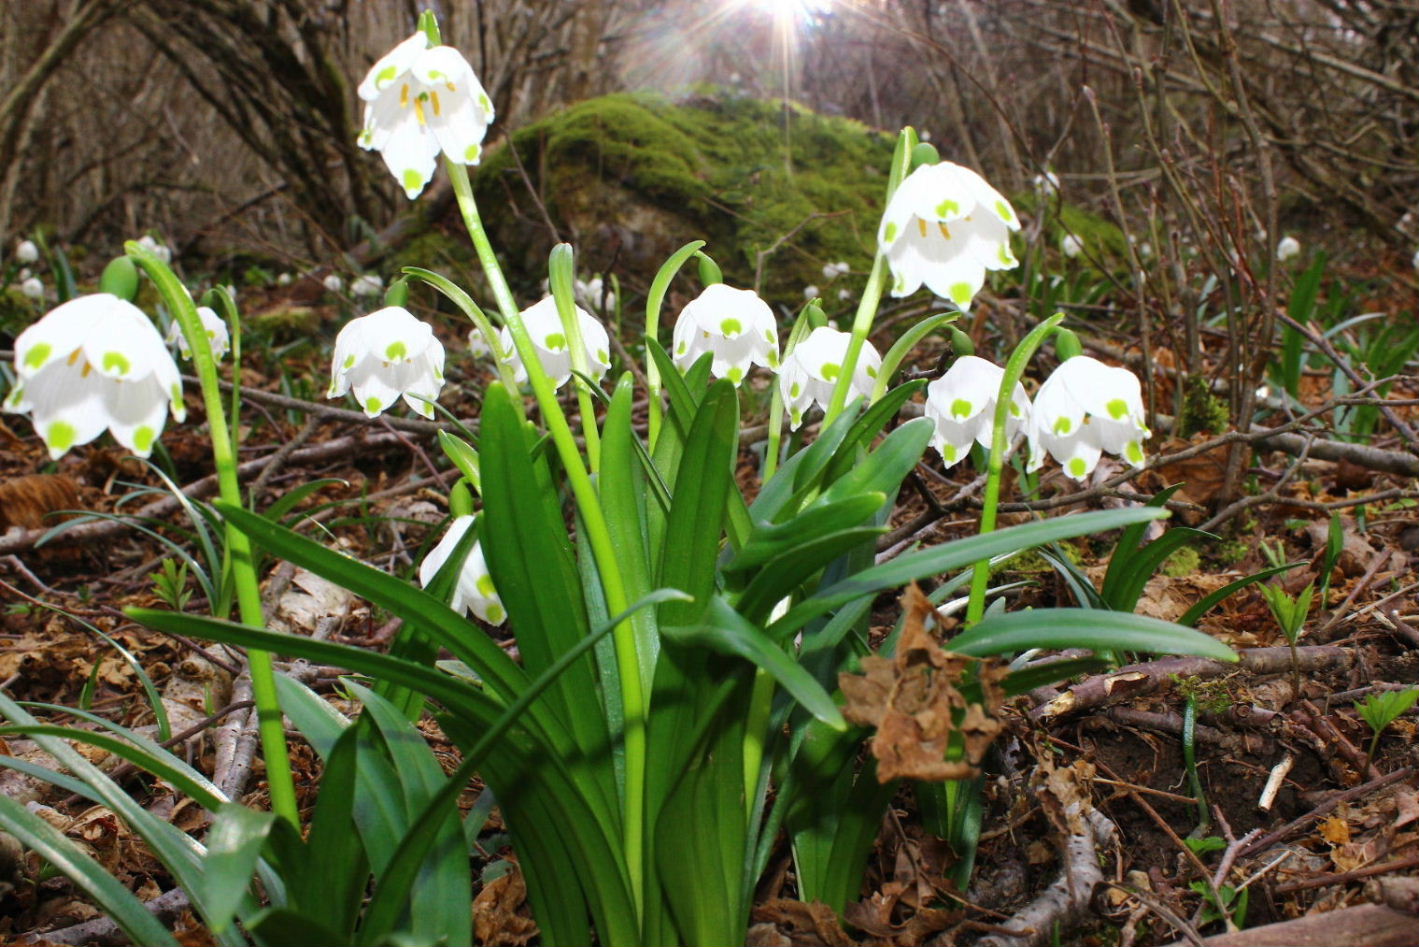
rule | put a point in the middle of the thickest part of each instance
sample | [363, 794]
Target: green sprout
[1290, 614]
[1381, 709]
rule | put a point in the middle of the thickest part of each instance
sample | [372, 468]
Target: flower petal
[60, 332]
[392, 65]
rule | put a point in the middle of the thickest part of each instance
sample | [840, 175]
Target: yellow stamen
[435, 97]
[921, 225]
[419, 111]
[404, 96]
[74, 356]
[451, 87]
[87, 368]
[944, 232]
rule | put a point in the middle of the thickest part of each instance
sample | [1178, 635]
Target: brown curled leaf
[914, 701]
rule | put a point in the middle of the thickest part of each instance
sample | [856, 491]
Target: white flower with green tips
[420, 100]
[1085, 409]
[92, 363]
[962, 405]
[549, 337]
[474, 589]
[734, 325]
[218, 337]
[811, 371]
[386, 355]
[945, 226]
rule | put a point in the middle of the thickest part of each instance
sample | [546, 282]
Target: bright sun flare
[790, 9]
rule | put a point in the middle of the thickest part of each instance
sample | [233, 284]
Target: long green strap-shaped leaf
[437, 907]
[1061, 628]
[724, 630]
[530, 557]
[179, 853]
[954, 555]
[471, 646]
[391, 893]
[622, 486]
[113, 897]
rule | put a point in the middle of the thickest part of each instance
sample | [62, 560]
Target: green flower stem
[861, 325]
[562, 271]
[761, 701]
[871, 293]
[653, 301]
[248, 593]
[1014, 368]
[634, 697]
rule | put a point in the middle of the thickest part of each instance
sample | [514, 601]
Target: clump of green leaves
[1381, 709]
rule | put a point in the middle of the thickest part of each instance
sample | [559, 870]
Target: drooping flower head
[218, 336]
[26, 251]
[1287, 248]
[367, 284]
[1071, 245]
[32, 287]
[550, 339]
[945, 226]
[92, 363]
[159, 250]
[385, 355]
[962, 404]
[1086, 408]
[811, 370]
[734, 325]
[474, 589]
[421, 99]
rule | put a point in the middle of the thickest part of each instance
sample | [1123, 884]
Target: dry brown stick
[1300, 822]
[166, 907]
[1343, 877]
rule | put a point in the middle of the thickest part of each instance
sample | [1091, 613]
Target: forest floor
[1090, 783]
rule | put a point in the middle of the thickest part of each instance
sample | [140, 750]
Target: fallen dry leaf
[501, 917]
[914, 702]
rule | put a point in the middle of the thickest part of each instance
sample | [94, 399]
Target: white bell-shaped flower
[1287, 248]
[811, 371]
[32, 287]
[162, 252]
[734, 325]
[333, 283]
[385, 355]
[1071, 245]
[1086, 408]
[962, 405]
[26, 251]
[421, 99]
[474, 589]
[549, 337]
[92, 363]
[945, 226]
[367, 284]
[218, 337]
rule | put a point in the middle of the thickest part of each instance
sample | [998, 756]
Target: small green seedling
[170, 584]
[1381, 709]
[1290, 614]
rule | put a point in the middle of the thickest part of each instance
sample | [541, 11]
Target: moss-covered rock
[628, 178]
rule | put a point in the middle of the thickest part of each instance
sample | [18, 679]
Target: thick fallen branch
[1365, 925]
[1102, 689]
[1060, 906]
